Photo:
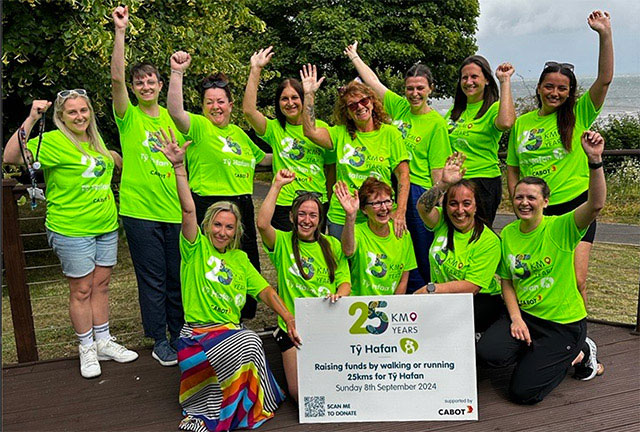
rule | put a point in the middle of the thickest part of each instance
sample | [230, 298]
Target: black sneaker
[587, 369]
[165, 355]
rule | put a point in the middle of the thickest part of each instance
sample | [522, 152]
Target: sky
[528, 33]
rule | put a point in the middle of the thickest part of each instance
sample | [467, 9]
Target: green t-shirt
[221, 161]
[378, 262]
[148, 184]
[425, 137]
[375, 154]
[540, 266]
[292, 151]
[475, 262]
[535, 147]
[80, 202]
[478, 139]
[215, 285]
[291, 285]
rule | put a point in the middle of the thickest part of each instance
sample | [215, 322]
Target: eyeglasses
[559, 65]
[215, 83]
[67, 93]
[353, 106]
[378, 204]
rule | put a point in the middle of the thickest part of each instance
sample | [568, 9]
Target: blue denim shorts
[79, 256]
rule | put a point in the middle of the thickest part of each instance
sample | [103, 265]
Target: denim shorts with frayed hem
[79, 256]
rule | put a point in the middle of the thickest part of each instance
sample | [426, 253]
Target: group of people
[187, 210]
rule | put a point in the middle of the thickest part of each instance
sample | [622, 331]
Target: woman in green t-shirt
[365, 144]
[380, 261]
[309, 264]
[427, 140]
[222, 158]
[291, 150]
[546, 142]
[215, 351]
[466, 252]
[82, 221]
[477, 119]
[545, 331]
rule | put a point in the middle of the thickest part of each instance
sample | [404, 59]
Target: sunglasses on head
[215, 83]
[67, 93]
[559, 65]
[353, 106]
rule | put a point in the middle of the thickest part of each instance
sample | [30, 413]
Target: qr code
[314, 406]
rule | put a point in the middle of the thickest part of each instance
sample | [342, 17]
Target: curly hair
[341, 112]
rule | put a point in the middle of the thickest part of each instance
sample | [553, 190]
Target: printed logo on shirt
[307, 266]
[220, 272]
[376, 267]
[240, 300]
[292, 148]
[522, 268]
[530, 140]
[454, 124]
[230, 146]
[440, 251]
[151, 141]
[403, 127]
[353, 155]
[96, 166]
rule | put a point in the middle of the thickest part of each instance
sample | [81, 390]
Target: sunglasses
[353, 106]
[378, 204]
[67, 93]
[559, 65]
[215, 83]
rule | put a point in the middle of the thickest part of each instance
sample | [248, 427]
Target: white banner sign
[387, 358]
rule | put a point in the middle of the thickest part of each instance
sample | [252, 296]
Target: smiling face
[360, 109]
[417, 91]
[461, 208]
[472, 82]
[380, 211]
[290, 104]
[76, 115]
[529, 202]
[307, 220]
[216, 106]
[553, 91]
[223, 228]
[146, 88]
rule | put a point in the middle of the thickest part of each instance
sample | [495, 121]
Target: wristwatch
[431, 288]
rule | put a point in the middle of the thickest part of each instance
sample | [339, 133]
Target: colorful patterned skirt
[225, 380]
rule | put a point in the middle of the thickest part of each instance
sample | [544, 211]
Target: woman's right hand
[261, 58]
[284, 177]
[520, 331]
[38, 108]
[351, 51]
[309, 77]
[180, 61]
[453, 172]
[170, 148]
[349, 202]
[121, 17]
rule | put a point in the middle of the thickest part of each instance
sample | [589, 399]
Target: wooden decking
[142, 396]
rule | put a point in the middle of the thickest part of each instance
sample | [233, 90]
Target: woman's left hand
[504, 72]
[351, 51]
[261, 58]
[170, 148]
[293, 333]
[399, 223]
[593, 145]
[333, 297]
[599, 21]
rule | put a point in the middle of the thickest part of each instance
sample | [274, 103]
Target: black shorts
[283, 340]
[566, 207]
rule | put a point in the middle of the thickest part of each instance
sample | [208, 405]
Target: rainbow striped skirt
[225, 380]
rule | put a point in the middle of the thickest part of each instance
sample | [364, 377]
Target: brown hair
[491, 93]
[341, 112]
[478, 220]
[565, 118]
[294, 84]
[141, 70]
[210, 79]
[537, 181]
[370, 187]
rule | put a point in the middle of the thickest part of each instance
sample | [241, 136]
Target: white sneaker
[108, 349]
[89, 366]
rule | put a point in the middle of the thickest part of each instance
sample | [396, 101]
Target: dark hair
[143, 69]
[341, 112]
[537, 181]
[220, 76]
[420, 70]
[566, 118]
[317, 236]
[294, 84]
[479, 220]
[491, 93]
[370, 187]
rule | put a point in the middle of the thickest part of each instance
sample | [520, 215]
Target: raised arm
[118, 81]
[513, 175]
[366, 73]
[180, 61]
[270, 297]
[175, 155]
[350, 203]
[507, 113]
[593, 145]
[259, 60]
[399, 216]
[451, 173]
[600, 22]
[310, 84]
[267, 231]
[12, 154]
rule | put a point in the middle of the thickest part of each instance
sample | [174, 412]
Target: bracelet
[178, 165]
[595, 165]
[177, 71]
[354, 57]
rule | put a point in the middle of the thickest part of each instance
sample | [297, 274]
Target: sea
[623, 96]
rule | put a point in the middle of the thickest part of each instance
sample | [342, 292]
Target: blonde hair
[95, 141]
[211, 214]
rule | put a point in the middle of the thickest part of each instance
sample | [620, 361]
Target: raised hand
[121, 17]
[170, 148]
[284, 177]
[349, 202]
[309, 77]
[453, 172]
[38, 108]
[180, 61]
[504, 71]
[599, 21]
[593, 145]
[261, 58]
[351, 51]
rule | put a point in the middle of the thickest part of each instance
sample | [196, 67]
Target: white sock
[85, 338]
[101, 331]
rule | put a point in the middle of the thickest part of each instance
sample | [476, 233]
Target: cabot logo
[455, 411]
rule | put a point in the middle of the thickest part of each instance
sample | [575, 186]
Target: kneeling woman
[226, 382]
[309, 264]
[380, 261]
[465, 253]
[546, 330]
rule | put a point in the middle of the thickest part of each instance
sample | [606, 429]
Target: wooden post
[14, 265]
